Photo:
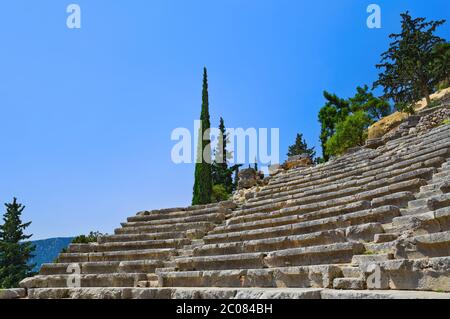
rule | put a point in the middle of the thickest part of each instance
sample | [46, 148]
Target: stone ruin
[374, 223]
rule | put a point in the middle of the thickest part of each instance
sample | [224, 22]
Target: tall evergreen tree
[301, 147]
[409, 72]
[221, 174]
[203, 175]
[14, 252]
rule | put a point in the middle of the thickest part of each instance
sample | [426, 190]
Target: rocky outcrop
[302, 160]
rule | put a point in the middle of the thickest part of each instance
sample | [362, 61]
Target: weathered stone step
[227, 293]
[90, 280]
[128, 245]
[166, 228]
[375, 190]
[432, 274]
[351, 219]
[304, 212]
[370, 258]
[351, 272]
[298, 276]
[435, 149]
[162, 254]
[313, 255]
[352, 180]
[424, 205]
[102, 267]
[213, 218]
[430, 222]
[366, 188]
[178, 215]
[119, 238]
[349, 283]
[271, 244]
[428, 245]
[294, 214]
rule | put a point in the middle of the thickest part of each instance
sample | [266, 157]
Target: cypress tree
[14, 252]
[221, 174]
[203, 178]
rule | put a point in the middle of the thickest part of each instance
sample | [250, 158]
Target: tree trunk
[427, 96]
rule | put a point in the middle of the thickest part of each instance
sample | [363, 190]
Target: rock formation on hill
[374, 223]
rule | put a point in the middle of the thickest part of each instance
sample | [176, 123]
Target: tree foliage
[15, 251]
[441, 64]
[349, 133]
[301, 147]
[336, 110]
[221, 173]
[409, 70]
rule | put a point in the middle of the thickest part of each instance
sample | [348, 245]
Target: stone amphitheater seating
[327, 228]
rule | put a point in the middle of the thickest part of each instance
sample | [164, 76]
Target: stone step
[349, 283]
[377, 183]
[430, 222]
[128, 255]
[428, 245]
[351, 272]
[102, 267]
[90, 280]
[128, 245]
[441, 176]
[370, 258]
[304, 212]
[166, 228]
[385, 213]
[298, 276]
[227, 293]
[410, 158]
[410, 274]
[119, 238]
[178, 214]
[271, 244]
[376, 190]
[385, 237]
[428, 204]
[313, 255]
[213, 218]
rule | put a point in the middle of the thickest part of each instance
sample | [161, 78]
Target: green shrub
[86, 239]
[349, 133]
[219, 193]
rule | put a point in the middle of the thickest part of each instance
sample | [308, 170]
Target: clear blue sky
[86, 115]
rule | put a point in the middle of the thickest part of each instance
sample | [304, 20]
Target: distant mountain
[48, 249]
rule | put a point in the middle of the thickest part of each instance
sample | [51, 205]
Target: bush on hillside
[349, 133]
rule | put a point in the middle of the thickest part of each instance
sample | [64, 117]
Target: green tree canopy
[409, 72]
[442, 63]
[349, 133]
[301, 147]
[15, 251]
[336, 110]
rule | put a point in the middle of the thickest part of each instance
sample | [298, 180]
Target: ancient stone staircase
[371, 219]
